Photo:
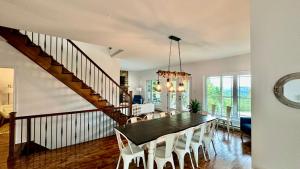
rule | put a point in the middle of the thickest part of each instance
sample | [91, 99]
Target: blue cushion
[245, 124]
[246, 128]
[137, 99]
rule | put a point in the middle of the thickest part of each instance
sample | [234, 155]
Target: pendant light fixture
[169, 75]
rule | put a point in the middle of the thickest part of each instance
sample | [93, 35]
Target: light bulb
[180, 87]
[168, 84]
[171, 89]
[158, 87]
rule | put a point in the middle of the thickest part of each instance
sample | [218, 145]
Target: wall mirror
[287, 90]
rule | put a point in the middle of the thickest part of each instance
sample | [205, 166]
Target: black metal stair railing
[68, 54]
[46, 132]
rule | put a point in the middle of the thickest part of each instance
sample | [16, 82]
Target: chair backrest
[189, 135]
[228, 112]
[202, 128]
[133, 120]
[163, 114]
[211, 126]
[213, 109]
[148, 117]
[169, 140]
[120, 141]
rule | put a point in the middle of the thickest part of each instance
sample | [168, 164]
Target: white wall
[275, 40]
[100, 56]
[235, 64]
[134, 82]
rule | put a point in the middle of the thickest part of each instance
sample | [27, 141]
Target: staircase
[70, 65]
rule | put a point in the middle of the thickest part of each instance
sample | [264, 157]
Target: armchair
[245, 126]
[137, 99]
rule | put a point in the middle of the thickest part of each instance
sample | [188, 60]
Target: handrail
[57, 114]
[96, 65]
[82, 126]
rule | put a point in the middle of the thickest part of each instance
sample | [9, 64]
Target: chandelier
[169, 75]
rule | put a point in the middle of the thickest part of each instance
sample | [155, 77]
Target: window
[227, 93]
[229, 90]
[213, 93]
[244, 95]
[185, 96]
[152, 95]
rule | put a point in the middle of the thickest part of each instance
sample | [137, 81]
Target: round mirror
[287, 90]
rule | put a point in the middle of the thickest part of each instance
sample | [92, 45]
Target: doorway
[6, 107]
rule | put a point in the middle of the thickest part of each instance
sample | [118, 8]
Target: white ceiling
[210, 29]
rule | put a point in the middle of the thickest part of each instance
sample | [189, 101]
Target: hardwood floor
[4, 135]
[103, 154]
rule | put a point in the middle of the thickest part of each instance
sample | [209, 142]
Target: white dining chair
[182, 146]
[130, 121]
[128, 152]
[208, 137]
[226, 121]
[163, 154]
[197, 142]
[133, 120]
[162, 114]
[148, 117]
[213, 110]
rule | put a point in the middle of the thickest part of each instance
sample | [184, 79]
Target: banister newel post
[130, 103]
[12, 132]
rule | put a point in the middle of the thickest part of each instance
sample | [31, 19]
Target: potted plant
[195, 106]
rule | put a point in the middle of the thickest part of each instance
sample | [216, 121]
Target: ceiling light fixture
[169, 75]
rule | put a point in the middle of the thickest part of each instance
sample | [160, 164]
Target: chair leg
[138, 161]
[206, 148]
[196, 156]
[228, 128]
[144, 162]
[203, 150]
[191, 160]
[242, 136]
[160, 165]
[181, 161]
[172, 163]
[118, 162]
[126, 164]
[213, 146]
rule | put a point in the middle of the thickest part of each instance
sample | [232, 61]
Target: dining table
[149, 131]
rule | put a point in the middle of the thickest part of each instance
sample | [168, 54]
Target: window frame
[235, 95]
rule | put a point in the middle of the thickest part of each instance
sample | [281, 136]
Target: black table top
[146, 131]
